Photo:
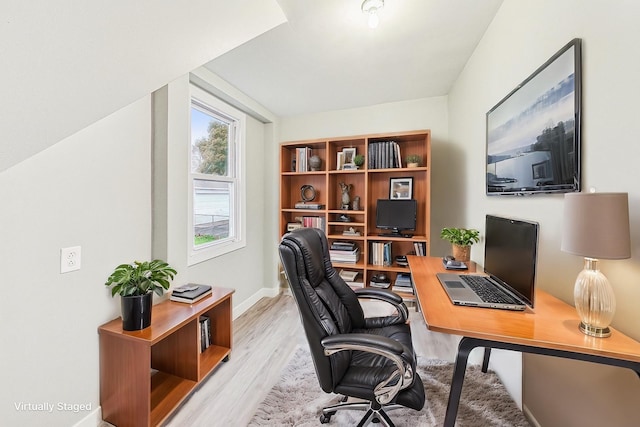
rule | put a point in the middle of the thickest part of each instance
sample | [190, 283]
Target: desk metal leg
[464, 348]
[485, 360]
[467, 344]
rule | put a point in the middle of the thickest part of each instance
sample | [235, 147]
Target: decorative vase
[412, 165]
[461, 253]
[315, 162]
[136, 311]
[356, 203]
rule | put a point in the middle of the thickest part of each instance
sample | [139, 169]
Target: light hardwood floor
[264, 338]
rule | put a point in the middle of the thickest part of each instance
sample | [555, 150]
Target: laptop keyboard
[487, 291]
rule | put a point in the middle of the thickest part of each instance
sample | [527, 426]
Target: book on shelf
[345, 256]
[379, 285]
[204, 323]
[190, 293]
[380, 253]
[348, 275]
[302, 159]
[384, 155]
[420, 248]
[340, 245]
[403, 283]
[313, 222]
[309, 205]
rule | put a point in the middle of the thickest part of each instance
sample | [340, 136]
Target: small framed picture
[340, 161]
[401, 188]
[349, 155]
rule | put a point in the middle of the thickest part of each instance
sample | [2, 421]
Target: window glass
[216, 201]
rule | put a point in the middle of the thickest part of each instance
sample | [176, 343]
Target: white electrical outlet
[70, 259]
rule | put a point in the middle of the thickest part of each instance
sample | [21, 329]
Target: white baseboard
[93, 419]
[529, 416]
[246, 304]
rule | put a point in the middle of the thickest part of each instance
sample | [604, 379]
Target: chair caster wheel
[326, 418]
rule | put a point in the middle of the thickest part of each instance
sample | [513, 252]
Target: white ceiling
[327, 58]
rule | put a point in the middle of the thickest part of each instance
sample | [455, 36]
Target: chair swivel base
[375, 412]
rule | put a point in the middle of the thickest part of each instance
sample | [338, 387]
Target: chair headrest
[311, 243]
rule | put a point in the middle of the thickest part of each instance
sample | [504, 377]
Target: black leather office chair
[354, 356]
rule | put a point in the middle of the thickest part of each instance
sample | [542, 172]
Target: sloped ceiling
[326, 58]
[68, 63]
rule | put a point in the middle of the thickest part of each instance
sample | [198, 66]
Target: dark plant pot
[136, 312]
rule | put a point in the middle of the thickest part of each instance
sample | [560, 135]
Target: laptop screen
[510, 254]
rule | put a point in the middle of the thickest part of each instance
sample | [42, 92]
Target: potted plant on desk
[136, 283]
[461, 240]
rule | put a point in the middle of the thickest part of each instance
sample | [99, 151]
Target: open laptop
[510, 255]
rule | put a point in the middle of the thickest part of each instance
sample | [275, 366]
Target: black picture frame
[538, 123]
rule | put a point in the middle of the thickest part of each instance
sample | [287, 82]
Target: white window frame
[237, 238]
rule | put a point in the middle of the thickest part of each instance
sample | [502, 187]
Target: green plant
[140, 278]
[460, 236]
[413, 158]
[358, 159]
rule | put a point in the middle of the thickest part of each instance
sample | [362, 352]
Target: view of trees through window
[210, 165]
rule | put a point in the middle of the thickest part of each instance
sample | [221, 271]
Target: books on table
[190, 293]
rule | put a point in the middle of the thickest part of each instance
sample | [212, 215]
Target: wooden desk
[551, 329]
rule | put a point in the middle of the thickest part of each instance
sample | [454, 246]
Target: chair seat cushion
[367, 370]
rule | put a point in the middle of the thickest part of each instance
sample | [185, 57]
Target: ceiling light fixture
[370, 7]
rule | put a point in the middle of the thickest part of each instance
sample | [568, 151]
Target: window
[216, 201]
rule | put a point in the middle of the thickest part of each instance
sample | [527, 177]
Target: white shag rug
[297, 399]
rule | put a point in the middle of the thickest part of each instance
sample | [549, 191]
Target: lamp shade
[596, 225]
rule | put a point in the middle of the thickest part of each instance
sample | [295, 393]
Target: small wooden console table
[145, 375]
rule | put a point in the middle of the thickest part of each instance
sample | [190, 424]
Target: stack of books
[344, 252]
[380, 281]
[350, 277]
[403, 283]
[205, 332]
[190, 293]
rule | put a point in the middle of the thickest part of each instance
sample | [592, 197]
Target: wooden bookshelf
[367, 182]
[145, 375]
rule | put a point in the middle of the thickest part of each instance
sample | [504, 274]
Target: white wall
[92, 190]
[428, 113]
[521, 38]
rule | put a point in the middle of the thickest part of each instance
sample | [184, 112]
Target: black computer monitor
[396, 215]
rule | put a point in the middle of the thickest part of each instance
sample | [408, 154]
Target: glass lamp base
[595, 300]
[595, 331]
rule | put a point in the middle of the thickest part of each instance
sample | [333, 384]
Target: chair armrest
[381, 294]
[388, 297]
[364, 342]
[400, 379]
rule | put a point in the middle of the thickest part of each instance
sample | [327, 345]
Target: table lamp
[596, 226]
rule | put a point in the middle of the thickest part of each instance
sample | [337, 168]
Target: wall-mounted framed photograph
[349, 156]
[401, 188]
